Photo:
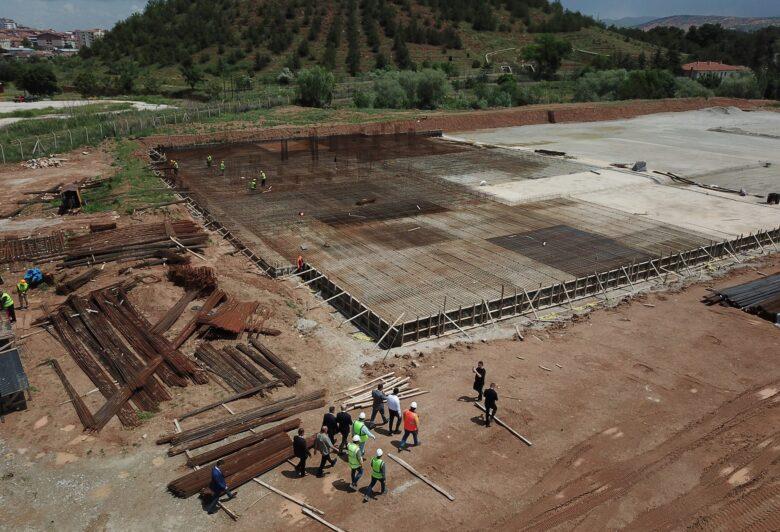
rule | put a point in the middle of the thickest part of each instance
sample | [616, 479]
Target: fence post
[55, 140]
[2, 151]
[101, 130]
[71, 138]
[86, 133]
[21, 149]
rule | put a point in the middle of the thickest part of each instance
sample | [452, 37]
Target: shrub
[285, 77]
[364, 99]
[432, 88]
[38, 78]
[389, 93]
[739, 87]
[688, 88]
[647, 84]
[598, 86]
[315, 87]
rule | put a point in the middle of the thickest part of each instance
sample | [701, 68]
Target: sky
[80, 14]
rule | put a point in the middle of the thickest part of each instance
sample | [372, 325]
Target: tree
[315, 87]
[127, 72]
[739, 87]
[432, 88]
[647, 84]
[86, 83]
[402, 57]
[380, 61]
[192, 75]
[38, 78]
[642, 61]
[389, 93]
[547, 52]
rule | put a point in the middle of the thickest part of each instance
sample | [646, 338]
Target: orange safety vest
[410, 420]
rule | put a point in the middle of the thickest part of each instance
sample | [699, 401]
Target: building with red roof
[698, 69]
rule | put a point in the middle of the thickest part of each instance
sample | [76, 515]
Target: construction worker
[222, 167]
[411, 426]
[253, 184]
[377, 475]
[360, 429]
[262, 179]
[479, 379]
[175, 168]
[491, 398]
[218, 486]
[7, 304]
[209, 160]
[21, 289]
[378, 398]
[299, 263]
[345, 426]
[324, 445]
[355, 459]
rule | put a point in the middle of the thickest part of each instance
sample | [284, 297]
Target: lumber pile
[232, 366]
[271, 362]
[360, 396]
[173, 314]
[212, 301]
[133, 242]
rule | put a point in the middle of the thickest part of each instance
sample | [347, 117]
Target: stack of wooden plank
[360, 396]
[133, 242]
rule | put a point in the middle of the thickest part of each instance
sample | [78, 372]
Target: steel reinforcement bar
[524, 302]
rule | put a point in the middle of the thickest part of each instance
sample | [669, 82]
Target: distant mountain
[627, 22]
[733, 23]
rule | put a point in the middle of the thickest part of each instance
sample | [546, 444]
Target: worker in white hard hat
[377, 475]
[360, 429]
[411, 426]
[355, 459]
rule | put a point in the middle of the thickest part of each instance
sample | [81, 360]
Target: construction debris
[202, 278]
[43, 162]
[231, 316]
[67, 285]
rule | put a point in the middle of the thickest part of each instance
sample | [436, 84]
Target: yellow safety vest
[22, 287]
[357, 428]
[352, 454]
[376, 468]
[6, 300]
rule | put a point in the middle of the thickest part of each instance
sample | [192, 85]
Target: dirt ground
[657, 414]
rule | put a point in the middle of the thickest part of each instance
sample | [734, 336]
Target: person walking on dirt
[253, 184]
[491, 400]
[378, 398]
[209, 160]
[329, 420]
[411, 426]
[21, 289]
[324, 446]
[175, 168]
[299, 262]
[377, 475]
[222, 168]
[301, 451]
[355, 459]
[218, 487]
[394, 409]
[263, 179]
[360, 429]
[479, 379]
[345, 426]
[7, 304]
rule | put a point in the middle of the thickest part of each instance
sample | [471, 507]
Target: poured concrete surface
[691, 144]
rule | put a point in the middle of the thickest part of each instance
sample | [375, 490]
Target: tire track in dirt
[758, 509]
[564, 502]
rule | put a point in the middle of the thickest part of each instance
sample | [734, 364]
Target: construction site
[614, 266]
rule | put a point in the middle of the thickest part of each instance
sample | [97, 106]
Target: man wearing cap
[411, 426]
[355, 459]
[377, 475]
[360, 429]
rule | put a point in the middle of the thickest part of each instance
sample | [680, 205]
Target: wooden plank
[288, 497]
[507, 427]
[321, 520]
[422, 477]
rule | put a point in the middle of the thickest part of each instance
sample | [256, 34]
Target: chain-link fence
[123, 124]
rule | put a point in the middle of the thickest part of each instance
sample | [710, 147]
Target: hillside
[732, 23]
[221, 37]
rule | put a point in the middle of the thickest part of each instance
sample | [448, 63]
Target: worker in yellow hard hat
[21, 289]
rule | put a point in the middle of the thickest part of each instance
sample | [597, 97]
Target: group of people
[355, 435]
[252, 182]
[7, 301]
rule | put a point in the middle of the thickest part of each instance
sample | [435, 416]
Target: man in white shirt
[394, 407]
